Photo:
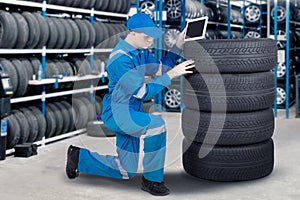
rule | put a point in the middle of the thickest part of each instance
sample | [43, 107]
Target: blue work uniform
[122, 113]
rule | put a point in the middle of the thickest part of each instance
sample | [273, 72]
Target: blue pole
[275, 71]
[228, 20]
[287, 61]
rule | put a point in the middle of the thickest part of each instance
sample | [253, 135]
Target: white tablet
[195, 29]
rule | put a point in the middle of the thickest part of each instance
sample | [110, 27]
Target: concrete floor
[43, 176]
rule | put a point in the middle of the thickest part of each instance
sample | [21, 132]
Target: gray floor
[42, 177]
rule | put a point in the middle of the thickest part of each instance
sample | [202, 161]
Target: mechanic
[127, 66]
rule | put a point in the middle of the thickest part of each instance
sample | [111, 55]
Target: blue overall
[122, 113]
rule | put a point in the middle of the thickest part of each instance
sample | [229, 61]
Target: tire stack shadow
[228, 120]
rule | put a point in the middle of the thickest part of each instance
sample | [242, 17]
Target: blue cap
[142, 23]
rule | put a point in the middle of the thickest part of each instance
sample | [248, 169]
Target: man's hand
[181, 69]
[180, 40]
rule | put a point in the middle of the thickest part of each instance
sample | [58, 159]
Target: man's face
[143, 41]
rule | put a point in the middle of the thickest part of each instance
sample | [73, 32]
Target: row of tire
[24, 69]
[116, 6]
[31, 30]
[28, 124]
[228, 120]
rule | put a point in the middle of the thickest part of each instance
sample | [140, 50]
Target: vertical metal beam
[287, 59]
[275, 37]
[228, 20]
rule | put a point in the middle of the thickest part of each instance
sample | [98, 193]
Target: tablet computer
[195, 28]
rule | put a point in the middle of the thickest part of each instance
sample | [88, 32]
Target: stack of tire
[228, 120]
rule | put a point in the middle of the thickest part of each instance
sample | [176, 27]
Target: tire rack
[287, 49]
[44, 6]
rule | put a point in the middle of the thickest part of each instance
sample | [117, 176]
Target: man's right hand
[181, 69]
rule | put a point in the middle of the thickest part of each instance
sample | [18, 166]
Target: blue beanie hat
[142, 23]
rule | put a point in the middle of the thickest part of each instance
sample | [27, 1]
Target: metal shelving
[89, 52]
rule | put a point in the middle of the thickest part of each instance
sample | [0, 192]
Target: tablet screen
[196, 29]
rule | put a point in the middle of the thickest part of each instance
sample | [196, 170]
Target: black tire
[112, 6]
[70, 110]
[35, 65]
[44, 30]
[76, 34]
[41, 122]
[22, 28]
[26, 63]
[24, 126]
[33, 124]
[232, 56]
[105, 5]
[119, 6]
[61, 33]
[13, 132]
[69, 69]
[238, 128]
[105, 35]
[98, 129]
[239, 163]
[9, 30]
[243, 92]
[58, 117]
[98, 105]
[76, 3]
[68, 3]
[90, 109]
[92, 34]
[53, 37]
[126, 6]
[34, 30]
[84, 33]
[50, 122]
[81, 113]
[65, 115]
[11, 71]
[98, 4]
[69, 33]
[22, 77]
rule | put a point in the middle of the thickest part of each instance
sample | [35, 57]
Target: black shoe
[155, 188]
[72, 162]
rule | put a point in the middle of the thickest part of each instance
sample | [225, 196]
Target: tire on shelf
[65, 116]
[33, 124]
[68, 3]
[22, 77]
[71, 114]
[229, 163]
[9, 30]
[98, 129]
[13, 132]
[105, 32]
[41, 122]
[24, 126]
[53, 33]
[76, 32]
[81, 113]
[105, 5]
[92, 34]
[98, 4]
[11, 71]
[44, 30]
[238, 128]
[61, 33]
[84, 33]
[233, 92]
[76, 3]
[50, 122]
[98, 105]
[99, 33]
[22, 28]
[90, 109]
[26, 63]
[112, 6]
[34, 30]
[69, 34]
[126, 7]
[232, 56]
